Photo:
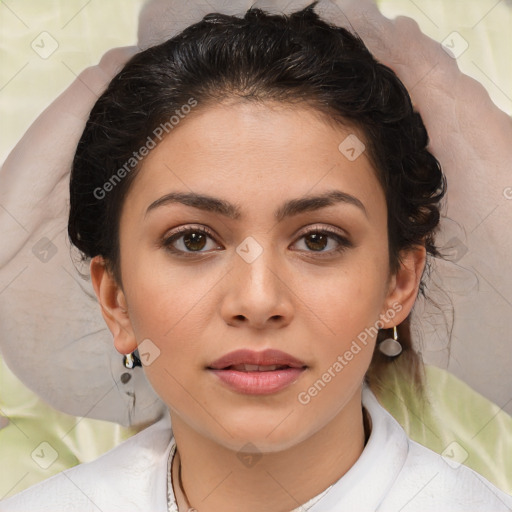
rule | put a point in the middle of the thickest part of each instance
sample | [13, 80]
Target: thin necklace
[180, 483]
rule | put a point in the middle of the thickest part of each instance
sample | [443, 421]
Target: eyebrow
[290, 208]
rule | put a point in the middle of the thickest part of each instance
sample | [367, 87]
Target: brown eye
[317, 240]
[194, 241]
[188, 240]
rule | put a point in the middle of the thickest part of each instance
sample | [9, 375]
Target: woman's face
[259, 278]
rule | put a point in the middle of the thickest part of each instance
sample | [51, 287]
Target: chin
[260, 432]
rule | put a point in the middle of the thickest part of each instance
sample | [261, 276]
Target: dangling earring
[391, 347]
[132, 360]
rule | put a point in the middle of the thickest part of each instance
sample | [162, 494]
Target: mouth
[257, 373]
[250, 360]
[256, 367]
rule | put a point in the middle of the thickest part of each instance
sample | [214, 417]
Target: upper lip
[264, 358]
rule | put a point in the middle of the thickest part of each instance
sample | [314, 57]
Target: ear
[404, 286]
[113, 306]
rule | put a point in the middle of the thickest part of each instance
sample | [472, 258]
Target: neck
[214, 478]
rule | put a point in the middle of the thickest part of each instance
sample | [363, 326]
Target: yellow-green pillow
[39, 441]
[455, 421]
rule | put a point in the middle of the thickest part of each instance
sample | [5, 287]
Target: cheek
[350, 297]
[169, 311]
[160, 296]
[173, 307]
[348, 305]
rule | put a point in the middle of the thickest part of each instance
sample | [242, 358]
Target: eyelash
[167, 241]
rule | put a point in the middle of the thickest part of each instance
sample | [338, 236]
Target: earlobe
[113, 306]
[404, 285]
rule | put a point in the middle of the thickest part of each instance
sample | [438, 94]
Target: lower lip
[259, 383]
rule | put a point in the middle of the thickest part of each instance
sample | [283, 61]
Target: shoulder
[429, 481]
[132, 476]
[411, 477]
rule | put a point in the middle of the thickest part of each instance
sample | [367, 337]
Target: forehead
[248, 150]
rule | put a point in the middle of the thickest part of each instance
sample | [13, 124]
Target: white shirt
[393, 473]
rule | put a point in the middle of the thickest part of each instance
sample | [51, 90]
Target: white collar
[366, 484]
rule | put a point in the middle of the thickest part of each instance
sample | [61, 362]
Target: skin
[306, 300]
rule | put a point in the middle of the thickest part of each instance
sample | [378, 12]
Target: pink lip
[265, 357]
[258, 382]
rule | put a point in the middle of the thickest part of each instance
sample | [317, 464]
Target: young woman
[258, 205]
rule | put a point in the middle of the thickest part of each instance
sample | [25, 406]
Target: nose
[258, 293]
